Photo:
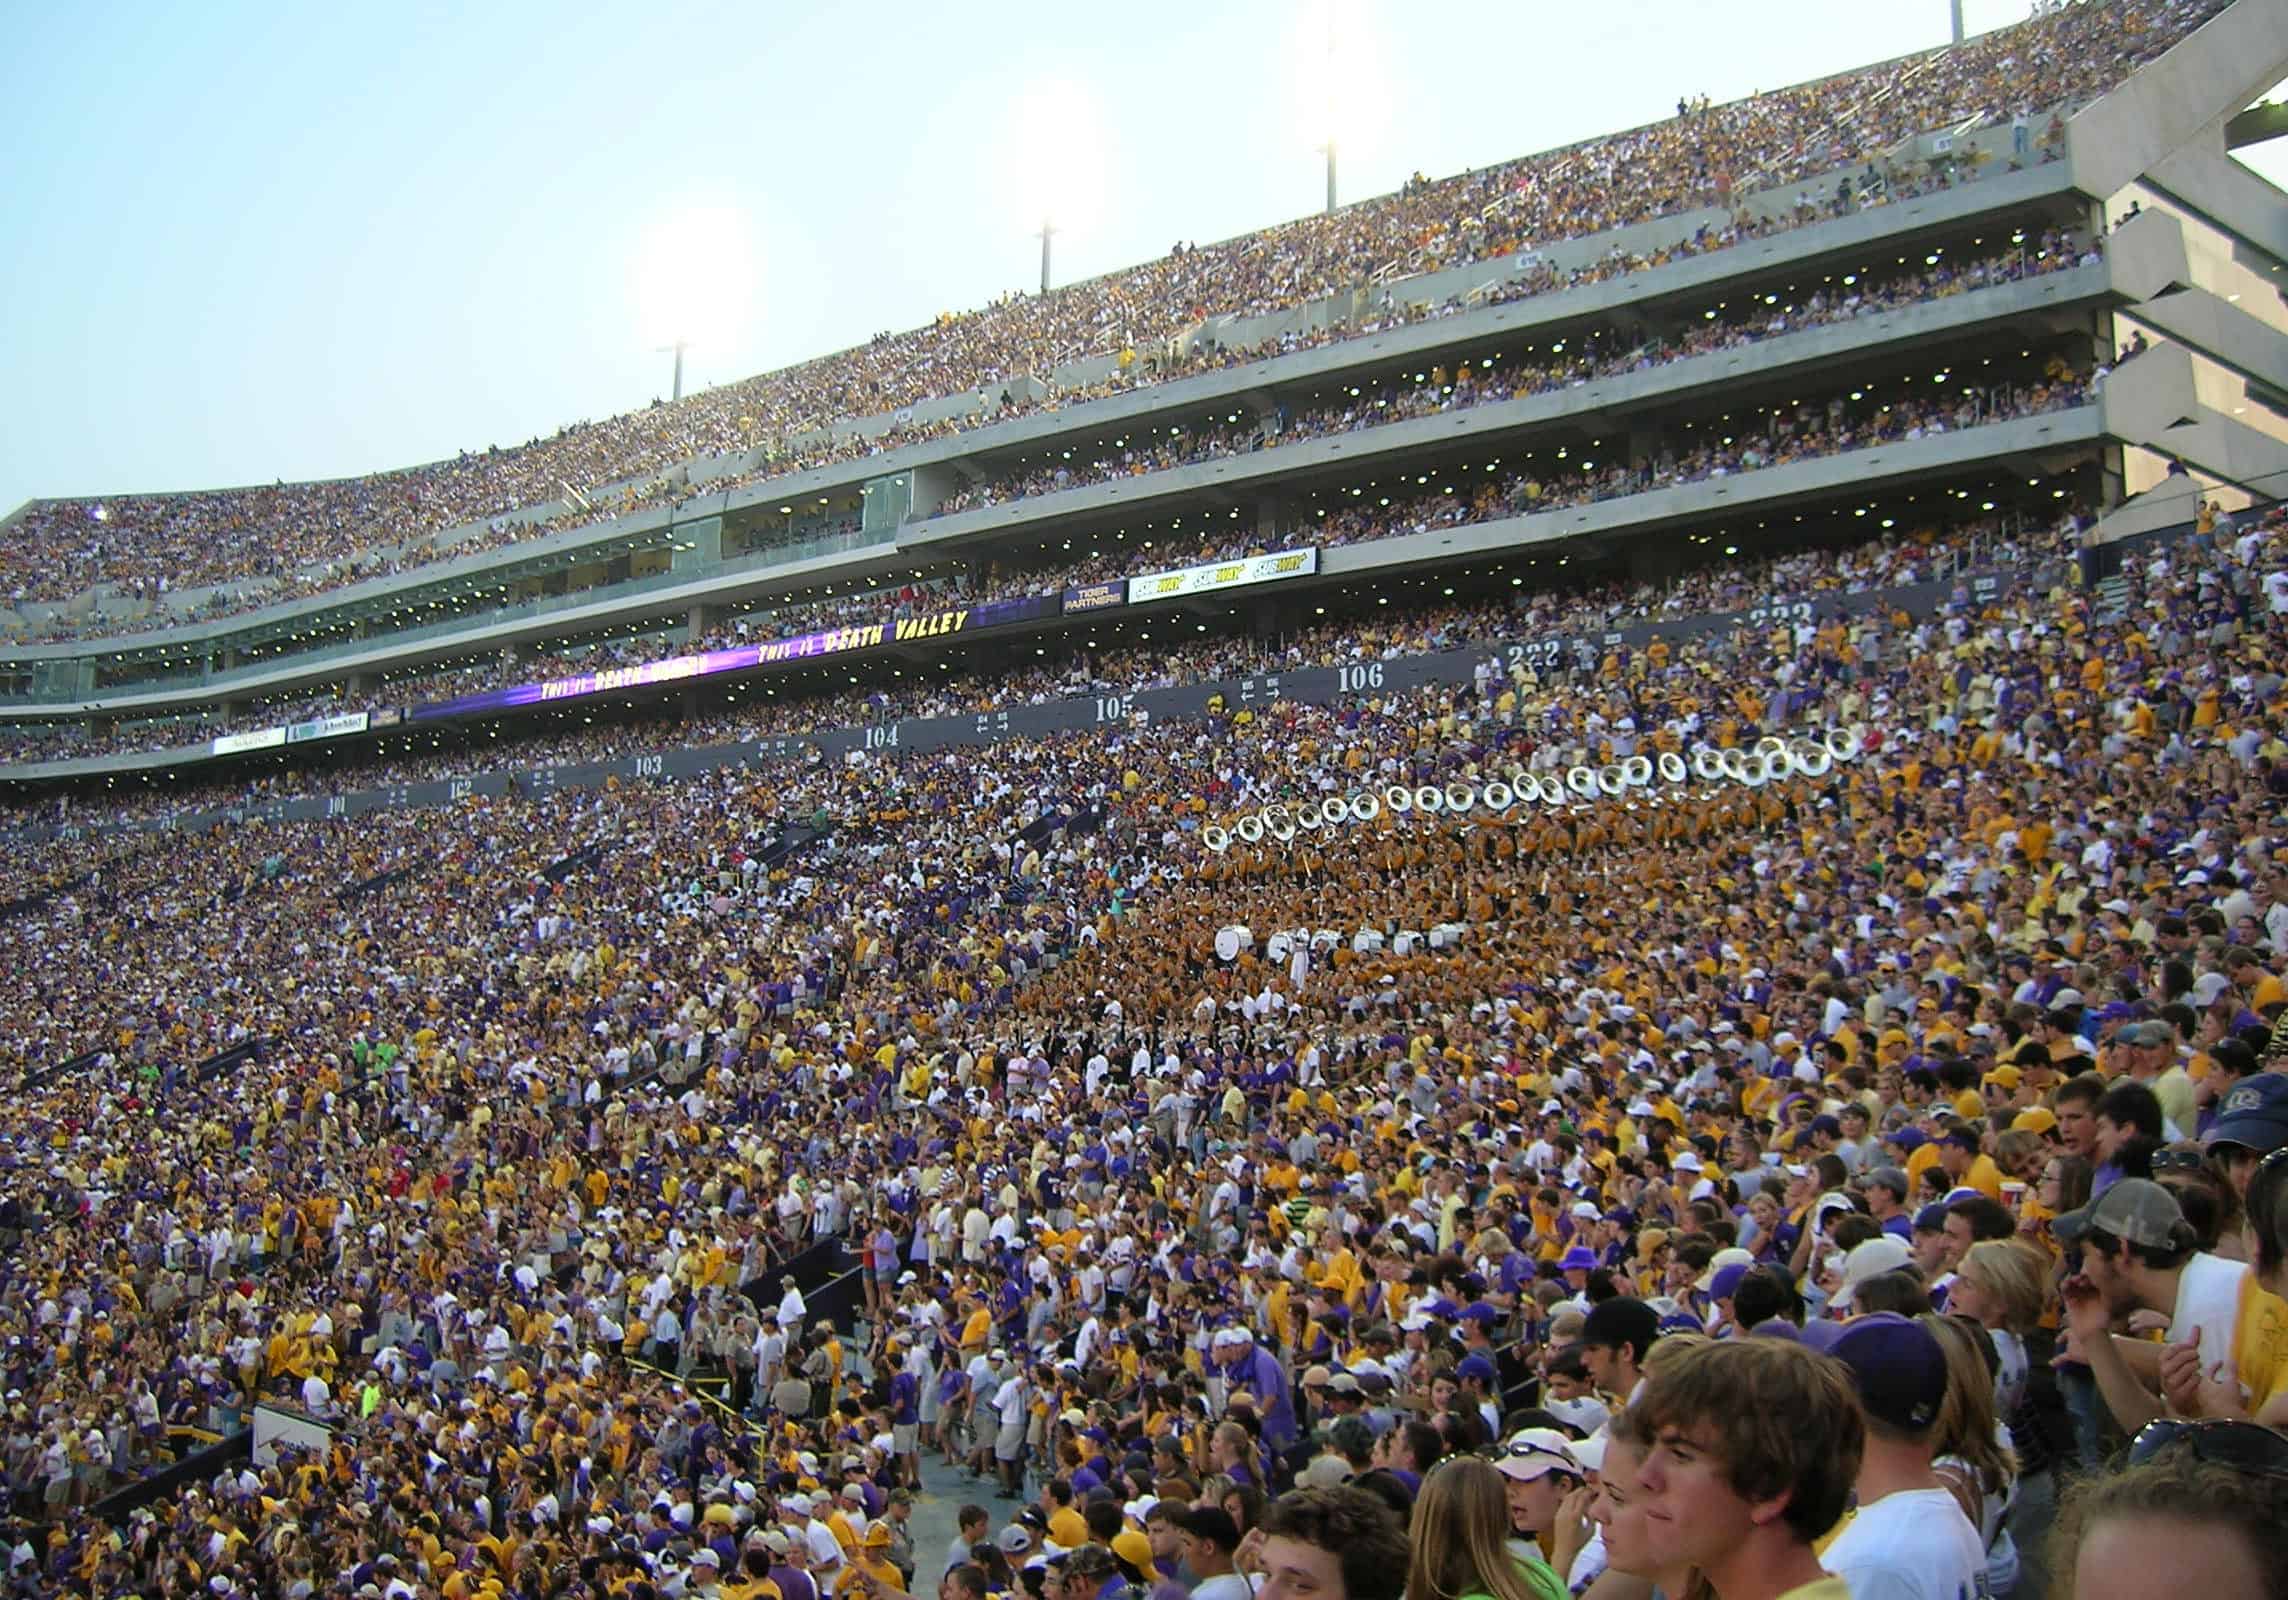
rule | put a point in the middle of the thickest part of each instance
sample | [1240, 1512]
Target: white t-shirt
[2208, 1298]
[825, 1549]
[2010, 1383]
[1913, 1545]
[1589, 1565]
[2002, 1565]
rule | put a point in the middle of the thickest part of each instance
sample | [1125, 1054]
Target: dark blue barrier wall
[196, 1467]
[827, 1275]
[230, 1060]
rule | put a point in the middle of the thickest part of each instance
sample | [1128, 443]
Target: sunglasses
[1527, 1449]
[2180, 1161]
[2243, 1446]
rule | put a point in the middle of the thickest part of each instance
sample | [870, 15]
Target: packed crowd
[1693, 452]
[1801, 582]
[1568, 364]
[1725, 1189]
[281, 541]
[61, 740]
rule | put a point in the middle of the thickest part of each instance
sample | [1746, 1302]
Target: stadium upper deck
[1748, 200]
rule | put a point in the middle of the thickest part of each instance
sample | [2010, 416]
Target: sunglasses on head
[2243, 1446]
[2180, 1161]
[1527, 1449]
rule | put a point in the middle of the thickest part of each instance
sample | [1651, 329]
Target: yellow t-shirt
[1919, 1161]
[1827, 1588]
[1985, 1177]
[2260, 1344]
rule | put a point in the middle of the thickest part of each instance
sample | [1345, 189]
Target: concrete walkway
[943, 1493]
[945, 1490]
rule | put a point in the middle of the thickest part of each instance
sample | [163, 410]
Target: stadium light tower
[1955, 6]
[1054, 165]
[1333, 93]
[1340, 97]
[692, 273]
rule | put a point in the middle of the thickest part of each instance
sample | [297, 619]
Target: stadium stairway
[378, 882]
[795, 838]
[218, 1065]
[557, 871]
[1042, 828]
[41, 1077]
[227, 1061]
[2110, 599]
[24, 904]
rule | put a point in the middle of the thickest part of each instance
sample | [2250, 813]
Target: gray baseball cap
[1890, 1178]
[2136, 1210]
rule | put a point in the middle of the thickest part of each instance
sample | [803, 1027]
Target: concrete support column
[1273, 516]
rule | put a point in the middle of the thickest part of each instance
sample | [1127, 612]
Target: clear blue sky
[244, 242]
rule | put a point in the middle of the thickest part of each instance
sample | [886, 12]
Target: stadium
[1300, 917]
